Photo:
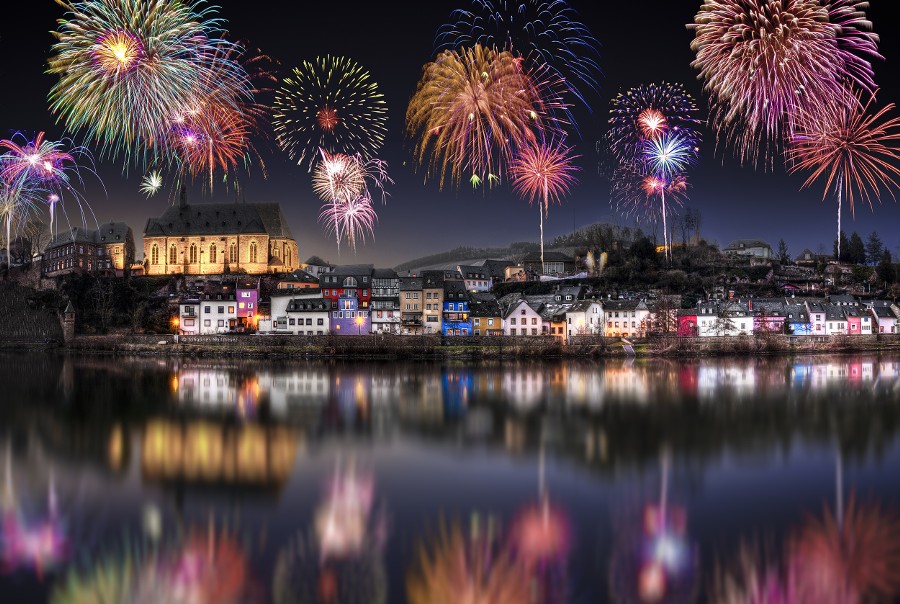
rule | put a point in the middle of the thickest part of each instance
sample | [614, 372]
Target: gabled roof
[834, 312]
[584, 305]
[220, 219]
[497, 268]
[302, 276]
[410, 284]
[384, 273]
[308, 305]
[473, 272]
[455, 289]
[484, 305]
[883, 312]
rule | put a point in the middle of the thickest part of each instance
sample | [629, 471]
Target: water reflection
[535, 483]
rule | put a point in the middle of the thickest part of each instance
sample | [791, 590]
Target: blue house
[455, 320]
[348, 319]
[798, 319]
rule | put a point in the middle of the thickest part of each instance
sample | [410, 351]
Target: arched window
[232, 252]
[173, 254]
[287, 254]
[212, 253]
[252, 251]
[192, 255]
[275, 250]
[154, 254]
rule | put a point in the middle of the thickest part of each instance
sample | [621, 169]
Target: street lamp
[359, 322]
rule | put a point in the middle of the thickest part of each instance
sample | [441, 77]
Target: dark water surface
[194, 481]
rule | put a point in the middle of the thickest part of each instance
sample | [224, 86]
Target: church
[218, 238]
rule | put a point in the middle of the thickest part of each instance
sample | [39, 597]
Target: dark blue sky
[641, 42]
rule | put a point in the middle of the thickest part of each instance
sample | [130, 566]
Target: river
[195, 481]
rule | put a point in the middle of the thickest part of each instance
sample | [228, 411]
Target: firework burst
[330, 103]
[543, 173]
[547, 33]
[646, 112]
[471, 109]
[127, 67]
[151, 183]
[466, 568]
[763, 60]
[853, 147]
[350, 219]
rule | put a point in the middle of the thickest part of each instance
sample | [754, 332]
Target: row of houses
[361, 299]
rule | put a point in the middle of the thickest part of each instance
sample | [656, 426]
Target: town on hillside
[235, 268]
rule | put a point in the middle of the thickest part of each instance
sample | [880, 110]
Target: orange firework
[652, 123]
[471, 109]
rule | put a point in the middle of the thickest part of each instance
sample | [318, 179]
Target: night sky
[641, 42]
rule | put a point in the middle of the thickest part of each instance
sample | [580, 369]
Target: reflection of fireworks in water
[41, 544]
[854, 559]
[343, 520]
[206, 566]
[540, 540]
[471, 568]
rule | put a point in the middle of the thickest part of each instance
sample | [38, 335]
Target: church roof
[220, 219]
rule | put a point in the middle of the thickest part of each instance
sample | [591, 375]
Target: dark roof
[834, 312]
[308, 304]
[302, 276]
[549, 256]
[454, 289]
[583, 305]
[797, 312]
[741, 244]
[108, 232]
[220, 219]
[473, 272]
[432, 279]
[622, 305]
[410, 283]
[842, 299]
[883, 312]
[306, 292]
[484, 305]
[384, 273]
[352, 270]
[497, 268]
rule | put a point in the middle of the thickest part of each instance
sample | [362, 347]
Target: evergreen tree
[784, 257]
[857, 252]
[885, 268]
[874, 248]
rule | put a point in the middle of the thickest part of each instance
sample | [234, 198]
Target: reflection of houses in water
[524, 388]
[734, 380]
[214, 452]
[217, 389]
[296, 393]
[585, 387]
[456, 389]
[626, 383]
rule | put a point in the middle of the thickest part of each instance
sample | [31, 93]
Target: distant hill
[599, 236]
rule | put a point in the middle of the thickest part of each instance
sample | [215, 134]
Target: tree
[885, 268]
[844, 244]
[644, 250]
[857, 252]
[784, 257]
[874, 248]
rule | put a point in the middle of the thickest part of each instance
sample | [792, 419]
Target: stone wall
[21, 319]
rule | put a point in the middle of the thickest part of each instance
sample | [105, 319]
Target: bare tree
[102, 294]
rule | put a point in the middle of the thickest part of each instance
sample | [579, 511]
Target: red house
[350, 281]
[687, 323]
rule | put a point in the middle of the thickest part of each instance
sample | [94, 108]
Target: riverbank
[432, 347]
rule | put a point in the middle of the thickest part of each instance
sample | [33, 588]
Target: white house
[626, 318]
[522, 319]
[280, 298]
[305, 317]
[725, 319]
[585, 317]
[835, 320]
[189, 317]
[217, 313]
[477, 278]
[816, 312]
[754, 248]
[885, 321]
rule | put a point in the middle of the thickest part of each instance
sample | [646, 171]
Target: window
[231, 309]
[534, 320]
[221, 322]
[490, 322]
[192, 254]
[512, 321]
[173, 254]
[154, 254]
[252, 251]
[477, 322]
[291, 322]
[221, 310]
[207, 322]
[533, 331]
[232, 252]
[320, 322]
[409, 295]
[207, 309]
[522, 312]
[212, 252]
[309, 322]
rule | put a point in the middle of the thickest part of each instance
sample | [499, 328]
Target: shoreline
[436, 348]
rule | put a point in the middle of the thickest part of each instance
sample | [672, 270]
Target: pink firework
[351, 219]
[763, 60]
[543, 173]
[652, 123]
[853, 147]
